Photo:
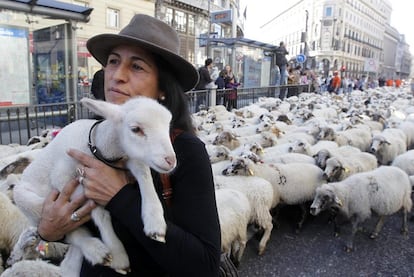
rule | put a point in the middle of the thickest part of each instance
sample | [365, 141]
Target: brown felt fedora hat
[155, 36]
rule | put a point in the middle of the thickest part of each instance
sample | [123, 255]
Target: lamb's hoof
[404, 232]
[157, 237]
[261, 252]
[123, 271]
[107, 261]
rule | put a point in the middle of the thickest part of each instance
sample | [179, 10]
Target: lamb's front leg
[120, 260]
[94, 250]
[152, 213]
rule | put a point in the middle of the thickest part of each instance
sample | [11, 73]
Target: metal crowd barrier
[19, 123]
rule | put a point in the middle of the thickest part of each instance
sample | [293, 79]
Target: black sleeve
[192, 245]
[206, 76]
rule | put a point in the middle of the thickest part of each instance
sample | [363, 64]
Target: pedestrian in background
[204, 81]
[221, 86]
[231, 93]
[281, 61]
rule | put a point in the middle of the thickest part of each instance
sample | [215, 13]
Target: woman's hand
[55, 220]
[101, 182]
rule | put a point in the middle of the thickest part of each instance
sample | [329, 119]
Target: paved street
[316, 252]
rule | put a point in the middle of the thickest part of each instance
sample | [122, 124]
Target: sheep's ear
[105, 109]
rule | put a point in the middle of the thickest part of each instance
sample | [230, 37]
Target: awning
[243, 41]
[51, 8]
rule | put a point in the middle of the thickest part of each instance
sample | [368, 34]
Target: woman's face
[130, 71]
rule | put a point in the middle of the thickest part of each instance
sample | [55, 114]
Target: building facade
[353, 36]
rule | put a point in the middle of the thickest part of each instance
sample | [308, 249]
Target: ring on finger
[81, 171]
[75, 217]
[81, 180]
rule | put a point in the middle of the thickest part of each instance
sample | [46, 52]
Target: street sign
[300, 58]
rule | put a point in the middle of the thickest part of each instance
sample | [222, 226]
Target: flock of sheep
[348, 155]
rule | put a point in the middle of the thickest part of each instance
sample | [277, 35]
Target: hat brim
[101, 45]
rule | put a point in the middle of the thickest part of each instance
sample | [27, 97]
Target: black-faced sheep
[339, 168]
[383, 191]
[388, 144]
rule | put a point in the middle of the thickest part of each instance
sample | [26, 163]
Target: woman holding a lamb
[143, 60]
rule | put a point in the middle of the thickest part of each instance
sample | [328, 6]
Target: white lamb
[234, 211]
[384, 191]
[339, 168]
[260, 194]
[129, 132]
[293, 183]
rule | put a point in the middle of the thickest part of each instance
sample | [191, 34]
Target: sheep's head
[324, 199]
[143, 126]
[334, 170]
[378, 142]
[25, 248]
[239, 166]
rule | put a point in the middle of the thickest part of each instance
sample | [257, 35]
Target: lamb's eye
[137, 130]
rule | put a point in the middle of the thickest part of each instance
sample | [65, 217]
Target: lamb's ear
[105, 109]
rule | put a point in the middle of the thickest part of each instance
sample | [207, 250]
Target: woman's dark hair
[176, 100]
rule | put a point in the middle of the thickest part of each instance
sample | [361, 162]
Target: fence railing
[19, 123]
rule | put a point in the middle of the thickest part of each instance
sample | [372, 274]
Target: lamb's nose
[171, 161]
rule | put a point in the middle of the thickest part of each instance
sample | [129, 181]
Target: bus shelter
[250, 60]
[38, 50]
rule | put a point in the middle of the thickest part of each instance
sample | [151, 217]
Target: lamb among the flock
[383, 191]
[127, 130]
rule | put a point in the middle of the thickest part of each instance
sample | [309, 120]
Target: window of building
[169, 16]
[112, 18]
[328, 11]
[191, 24]
[180, 19]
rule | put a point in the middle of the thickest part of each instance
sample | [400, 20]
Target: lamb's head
[324, 199]
[143, 126]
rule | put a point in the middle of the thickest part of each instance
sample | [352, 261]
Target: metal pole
[209, 29]
[306, 39]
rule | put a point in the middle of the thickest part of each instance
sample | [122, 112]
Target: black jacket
[205, 78]
[193, 244]
[281, 53]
